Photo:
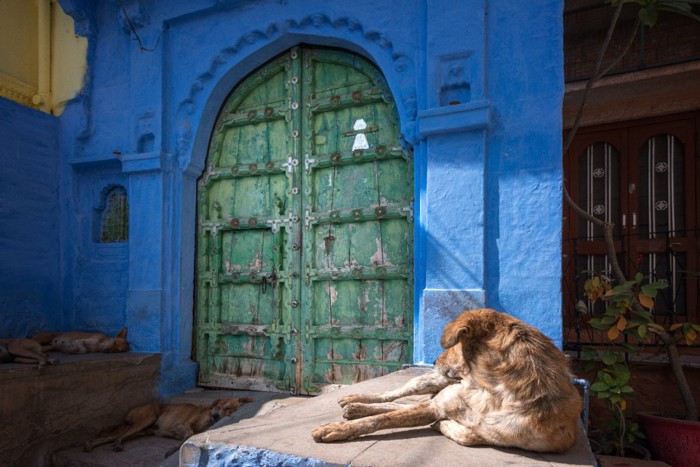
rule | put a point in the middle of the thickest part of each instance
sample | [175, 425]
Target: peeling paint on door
[300, 210]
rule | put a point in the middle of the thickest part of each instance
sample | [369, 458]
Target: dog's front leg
[417, 415]
[429, 383]
[356, 410]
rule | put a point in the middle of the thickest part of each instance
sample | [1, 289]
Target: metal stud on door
[304, 261]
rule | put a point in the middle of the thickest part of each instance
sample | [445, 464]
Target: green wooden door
[305, 230]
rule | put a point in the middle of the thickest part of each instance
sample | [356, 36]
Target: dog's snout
[216, 416]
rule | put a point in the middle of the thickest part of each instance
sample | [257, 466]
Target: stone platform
[283, 437]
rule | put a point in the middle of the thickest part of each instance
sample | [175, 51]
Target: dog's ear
[123, 332]
[453, 333]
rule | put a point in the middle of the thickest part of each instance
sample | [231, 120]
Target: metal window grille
[114, 219]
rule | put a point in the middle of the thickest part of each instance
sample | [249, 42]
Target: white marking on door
[360, 138]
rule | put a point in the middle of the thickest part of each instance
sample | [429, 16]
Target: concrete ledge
[283, 437]
[454, 118]
[43, 409]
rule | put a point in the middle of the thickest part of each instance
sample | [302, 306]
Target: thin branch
[624, 51]
[596, 74]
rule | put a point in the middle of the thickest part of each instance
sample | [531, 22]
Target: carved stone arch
[255, 47]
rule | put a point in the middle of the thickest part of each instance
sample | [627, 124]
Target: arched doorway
[305, 230]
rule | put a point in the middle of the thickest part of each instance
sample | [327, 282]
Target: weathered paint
[290, 261]
[477, 85]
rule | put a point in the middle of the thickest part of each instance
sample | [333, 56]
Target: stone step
[151, 451]
[45, 408]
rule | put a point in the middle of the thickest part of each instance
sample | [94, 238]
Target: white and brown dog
[79, 342]
[500, 382]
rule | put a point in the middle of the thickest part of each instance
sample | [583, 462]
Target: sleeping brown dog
[179, 421]
[24, 351]
[78, 342]
[500, 382]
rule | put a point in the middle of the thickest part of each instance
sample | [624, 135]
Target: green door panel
[305, 235]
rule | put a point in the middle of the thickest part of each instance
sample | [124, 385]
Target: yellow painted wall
[68, 59]
[21, 63]
[18, 50]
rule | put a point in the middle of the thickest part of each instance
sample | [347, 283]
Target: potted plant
[629, 324]
[628, 319]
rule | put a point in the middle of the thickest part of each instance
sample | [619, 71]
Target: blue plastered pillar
[145, 294]
[451, 159]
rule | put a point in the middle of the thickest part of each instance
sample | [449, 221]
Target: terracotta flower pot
[674, 441]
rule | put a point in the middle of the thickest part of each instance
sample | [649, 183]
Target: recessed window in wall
[112, 216]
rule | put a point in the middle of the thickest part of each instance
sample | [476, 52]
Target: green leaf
[608, 320]
[622, 374]
[599, 386]
[681, 8]
[609, 357]
[648, 16]
[642, 332]
[650, 290]
[617, 399]
[609, 380]
[596, 324]
[659, 285]
[589, 354]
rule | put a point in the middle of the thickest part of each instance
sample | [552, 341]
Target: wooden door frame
[633, 133]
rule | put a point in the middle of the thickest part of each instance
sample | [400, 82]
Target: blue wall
[478, 86]
[30, 297]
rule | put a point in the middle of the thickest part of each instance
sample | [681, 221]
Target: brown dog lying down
[24, 351]
[179, 421]
[75, 342]
[500, 382]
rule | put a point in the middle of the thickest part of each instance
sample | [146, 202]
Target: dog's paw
[355, 410]
[358, 398]
[330, 432]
